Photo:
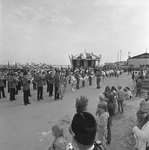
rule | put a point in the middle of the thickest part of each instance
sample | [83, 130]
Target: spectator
[101, 99]
[142, 135]
[102, 122]
[60, 141]
[121, 98]
[83, 127]
[110, 109]
[107, 91]
[138, 88]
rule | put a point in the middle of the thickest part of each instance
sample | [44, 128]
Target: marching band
[55, 80]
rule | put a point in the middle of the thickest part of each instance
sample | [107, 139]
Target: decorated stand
[84, 60]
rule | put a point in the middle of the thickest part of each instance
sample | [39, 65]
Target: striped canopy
[85, 56]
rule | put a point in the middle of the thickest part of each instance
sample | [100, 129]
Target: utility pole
[118, 57]
[120, 54]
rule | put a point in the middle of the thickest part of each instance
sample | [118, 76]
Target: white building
[139, 60]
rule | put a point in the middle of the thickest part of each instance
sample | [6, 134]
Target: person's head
[119, 87]
[144, 106]
[101, 97]
[107, 89]
[125, 90]
[25, 74]
[113, 88]
[58, 71]
[57, 130]
[102, 107]
[83, 126]
[128, 88]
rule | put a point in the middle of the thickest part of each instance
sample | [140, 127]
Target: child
[121, 98]
[142, 117]
[138, 88]
[60, 141]
[101, 99]
[126, 94]
[102, 122]
[129, 92]
[73, 80]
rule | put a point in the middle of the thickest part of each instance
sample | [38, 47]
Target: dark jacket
[39, 81]
[25, 84]
[110, 108]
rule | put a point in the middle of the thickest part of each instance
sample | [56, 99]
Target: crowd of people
[90, 132]
[84, 126]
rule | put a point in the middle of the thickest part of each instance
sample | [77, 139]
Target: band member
[2, 87]
[98, 78]
[90, 77]
[47, 77]
[4, 79]
[16, 78]
[50, 82]
[25, 83]
[77, 76]
[11, 84]
[56, 81]
[33, 81]
[73, 80]
[39, 79]
[83, 81]
[29, 81]
[20, 80]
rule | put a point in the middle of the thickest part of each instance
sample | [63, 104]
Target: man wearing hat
[39, 79]
[50, 84]
[83, 127]
[98, 78]
[25, 83]
[56, 81]
[2, 87]
[11, 84]
[47, 76]
[77, 76]
[90, 77]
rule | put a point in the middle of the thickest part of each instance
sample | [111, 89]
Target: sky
[48, 31]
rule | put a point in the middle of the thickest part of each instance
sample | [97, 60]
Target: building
[141, 60]
[84, 60]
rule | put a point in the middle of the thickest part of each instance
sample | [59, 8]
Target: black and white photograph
[74, 74]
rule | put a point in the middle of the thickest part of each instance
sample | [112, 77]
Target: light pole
[120, 54]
